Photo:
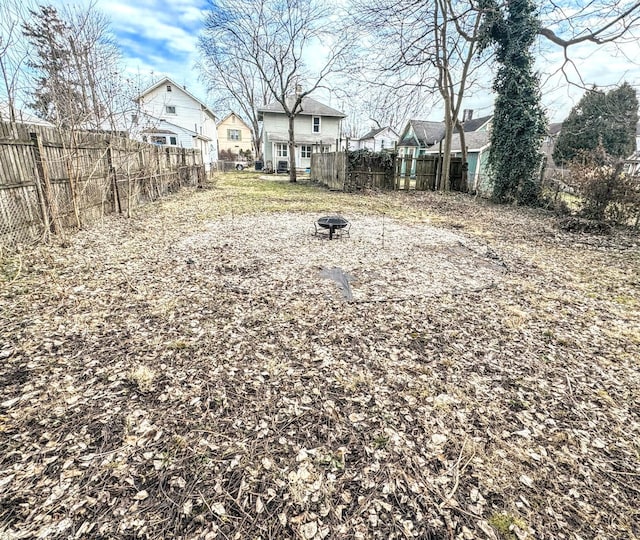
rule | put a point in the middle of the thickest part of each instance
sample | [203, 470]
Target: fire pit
[334, 224]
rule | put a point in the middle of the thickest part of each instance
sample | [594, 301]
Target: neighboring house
[21, 117]
[376, 140]
[425, 137]
[316, 129]
[170, 115]
[478, 144]
[234, 135]
[418, 136]
[469, 123]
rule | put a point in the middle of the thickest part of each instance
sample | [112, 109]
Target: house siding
[384, 140]
[303, 134]
[246, 139]
[189, 115]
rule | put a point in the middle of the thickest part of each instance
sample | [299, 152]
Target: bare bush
[607, 192]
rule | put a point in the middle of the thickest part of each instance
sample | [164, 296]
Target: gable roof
[22, 117]
[167, 80]
[476, 123]
[310, 107]
[154, 127]
[554, 128]
[237, 116]
[374, 132]
[425, 133]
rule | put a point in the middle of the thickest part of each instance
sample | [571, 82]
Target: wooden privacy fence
[329, 168]
[335, 170]
[52, 180]
[424, 173]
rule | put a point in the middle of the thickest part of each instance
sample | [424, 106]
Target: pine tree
[57, 97]
[519, 122]
[606, 119]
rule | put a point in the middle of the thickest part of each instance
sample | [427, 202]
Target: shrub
[607, 193]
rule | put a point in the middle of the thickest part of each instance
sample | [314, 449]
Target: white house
[316, 129]
[21, 117]
[168, 114]
[376, 140]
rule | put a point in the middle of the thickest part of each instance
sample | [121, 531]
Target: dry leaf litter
[211, 369]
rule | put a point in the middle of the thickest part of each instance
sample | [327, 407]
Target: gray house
[316, 129]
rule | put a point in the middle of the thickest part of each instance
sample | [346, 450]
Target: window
[168, 88]
[173, 141]
[171, 109]
[234, 135]
[315, 124]
[305, 151]
[155, 139]
[134, 119]
[281, 150]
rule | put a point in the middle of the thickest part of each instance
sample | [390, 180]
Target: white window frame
[170, 109]
[305, 151]
[313, 124]
[169, 89]
[282, 150]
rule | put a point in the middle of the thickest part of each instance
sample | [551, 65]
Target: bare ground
[206, 370]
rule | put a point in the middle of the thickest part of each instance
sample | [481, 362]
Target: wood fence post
[117, 206]
[39, 175]
[51, 205]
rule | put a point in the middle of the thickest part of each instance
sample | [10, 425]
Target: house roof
[475, 141]
[310, 107]
[229, 116]
[21, 116]
[283, 137]
[167, 80]
[554, 128]
[476, 123]
[162, 131]
[426, 133]
[153, 127]
[375, 132]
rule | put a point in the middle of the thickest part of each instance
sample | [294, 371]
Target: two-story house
[234, 136]
[316, 129]
[169, 115]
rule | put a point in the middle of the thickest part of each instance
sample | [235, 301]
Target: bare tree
[13, 53]
[275, 37]
[232, 82]
[434, 46]
[74, 66]
[427, 47]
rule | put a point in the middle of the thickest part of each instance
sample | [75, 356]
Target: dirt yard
[211, 369]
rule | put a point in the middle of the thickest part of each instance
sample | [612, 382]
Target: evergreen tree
[56, 97]
[519, 122]
[607, 119]
[621, 119]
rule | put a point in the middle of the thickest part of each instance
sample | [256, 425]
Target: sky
[159, 38]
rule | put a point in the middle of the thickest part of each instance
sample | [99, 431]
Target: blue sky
[159, 38]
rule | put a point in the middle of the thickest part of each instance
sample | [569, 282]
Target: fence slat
[51, 180]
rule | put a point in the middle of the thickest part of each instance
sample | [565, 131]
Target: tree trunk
[464, 183]
[445, 183]
[292, 150]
